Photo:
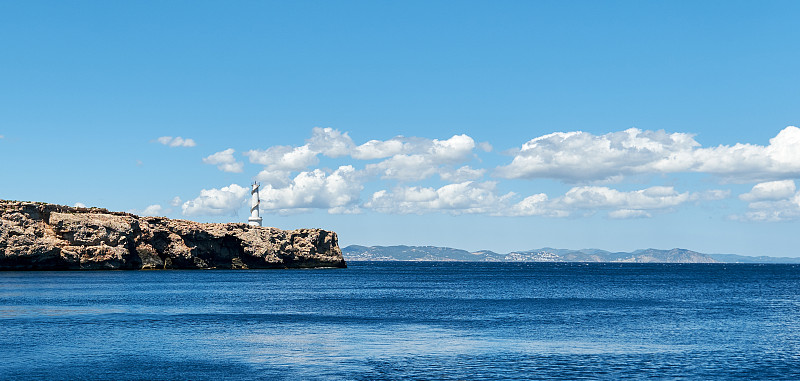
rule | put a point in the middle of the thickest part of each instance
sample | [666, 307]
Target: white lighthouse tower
[254, 219]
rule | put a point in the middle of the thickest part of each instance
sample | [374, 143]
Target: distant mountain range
[547, 254]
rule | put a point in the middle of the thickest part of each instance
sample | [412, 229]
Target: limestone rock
[40, 236]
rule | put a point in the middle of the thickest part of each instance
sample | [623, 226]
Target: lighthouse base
[254, 221]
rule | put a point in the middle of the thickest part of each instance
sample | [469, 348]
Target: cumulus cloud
[330, 142]
[337, 191]
[713, 194]
[274, 178]
[769, 191]
[325, 141]
[377, 149]
[459, 198]
[404, 168]
[452, 150]
[152, 210]
[226, 200]
[461, 174]
[79, 205]
[455, 149]
[405, 158]
[593, 197]
[225, 161]
[535, 205]
[176, 201]
[619, 204]
[773, 211]
[772, 201]
[176, 141]
[475, 197]
[628, 213]
[421, 158]
[747, 162]
[284, 157]
[581, 156]
[291, 183]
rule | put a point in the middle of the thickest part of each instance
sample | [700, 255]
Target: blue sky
[480, 125]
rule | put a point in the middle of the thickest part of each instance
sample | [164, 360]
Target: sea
[405, 321]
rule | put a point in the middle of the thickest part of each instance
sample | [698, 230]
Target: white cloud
[338, 192]
[284, 157]
[406, 159]
[713, 194]
[772, 201]
[325, 141]
[459, 198]
[773, 211]
[403, 168]
[376, 149]
[746, 162]
[589, 199]
[152, 210]
[594, 197]
[461, 174]
[534, 205]
[226, 200]
[330, 142]
[79, 205]
[581, 156]
[176, 141]
[274, 178]
[421, 158]
[453, 150]
[628, 213]
[290, 186]
[474, 197]
[773, 190]
[176, 201]
[225, 161]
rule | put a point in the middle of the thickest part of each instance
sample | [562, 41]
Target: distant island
[41, 236]
[434, 253]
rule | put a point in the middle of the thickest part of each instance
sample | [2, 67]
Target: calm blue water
[402, 321]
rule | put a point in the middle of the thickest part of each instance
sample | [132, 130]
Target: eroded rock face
[39, 236]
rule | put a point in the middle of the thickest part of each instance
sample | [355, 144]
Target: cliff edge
[40, 236]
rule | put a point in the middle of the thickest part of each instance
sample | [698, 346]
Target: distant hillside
[408, 253]
[733, 258]
[547, 254]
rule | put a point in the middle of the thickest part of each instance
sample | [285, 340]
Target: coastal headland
[41, 236]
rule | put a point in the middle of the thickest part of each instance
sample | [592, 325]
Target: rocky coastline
[41, 236]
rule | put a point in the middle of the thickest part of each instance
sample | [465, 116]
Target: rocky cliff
[39, 236]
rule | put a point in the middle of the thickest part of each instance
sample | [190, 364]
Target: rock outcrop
[40, 236]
